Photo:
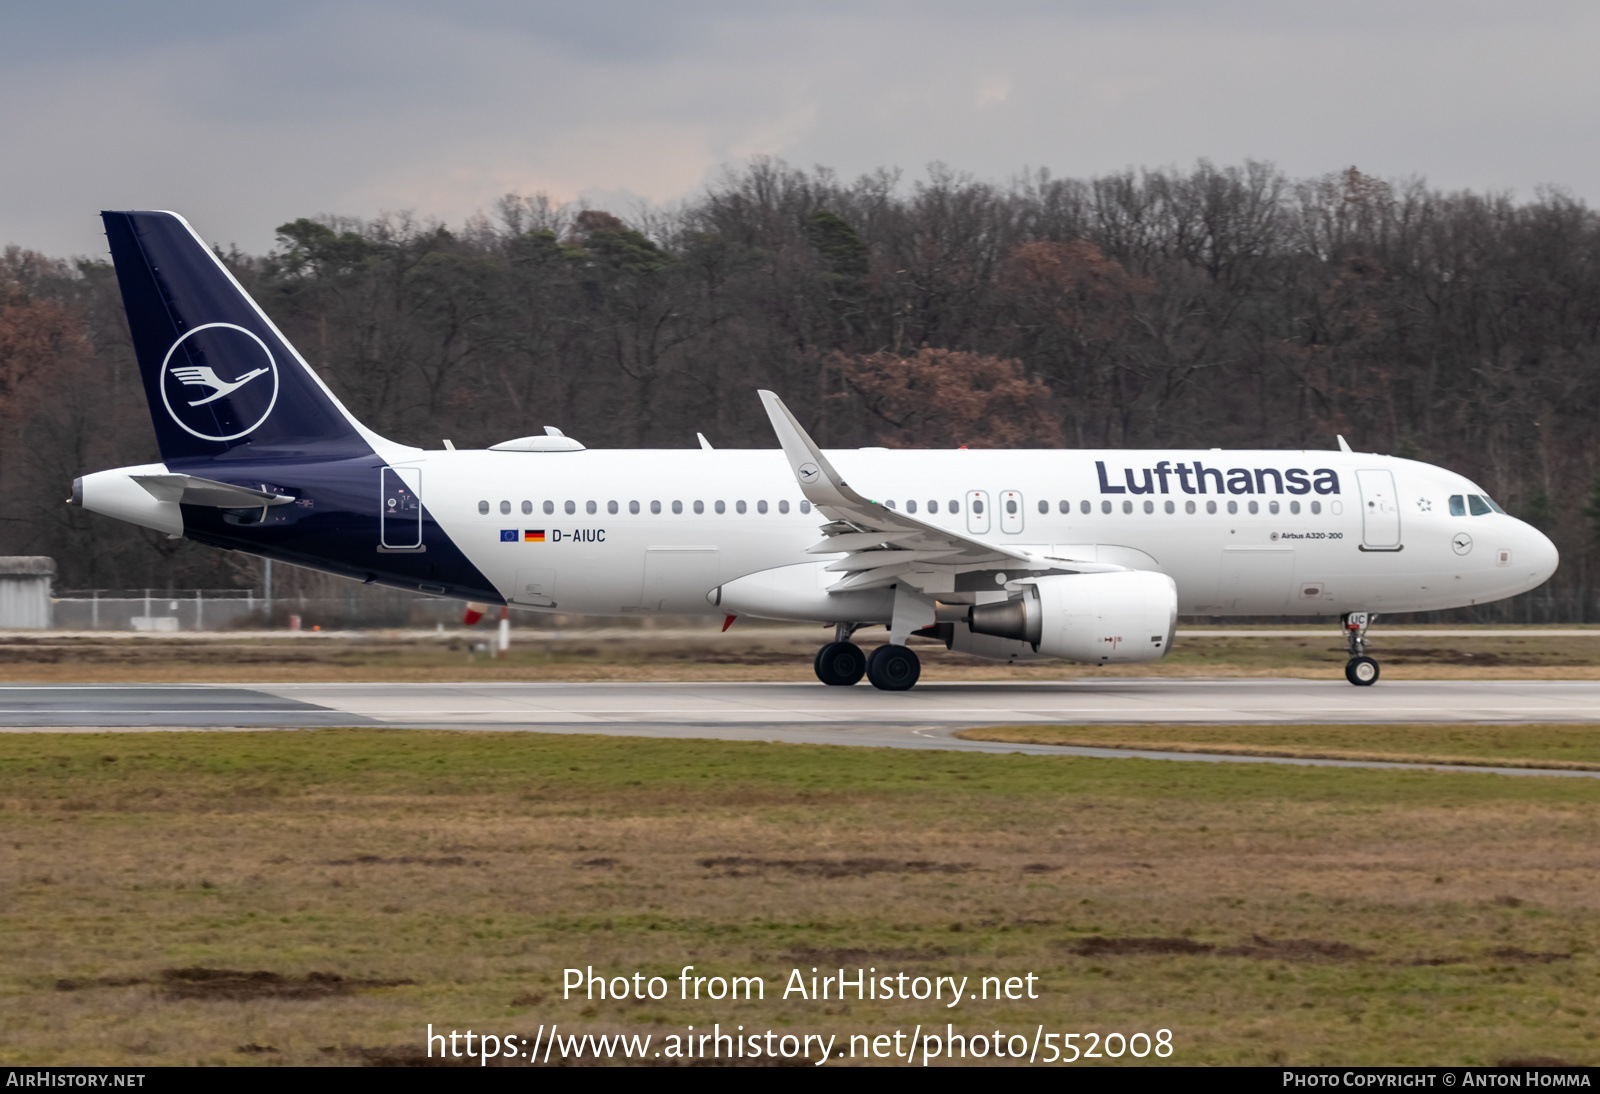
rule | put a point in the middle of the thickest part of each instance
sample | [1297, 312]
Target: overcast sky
[243, 116]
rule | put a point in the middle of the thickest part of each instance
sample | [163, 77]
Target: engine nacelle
[1099, 618]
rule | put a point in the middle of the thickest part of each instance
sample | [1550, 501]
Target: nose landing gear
[1360, 670]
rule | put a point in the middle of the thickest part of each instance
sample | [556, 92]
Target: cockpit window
[1479, 505]
[1458, 505]
[1491, 503]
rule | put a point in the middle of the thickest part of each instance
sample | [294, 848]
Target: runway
[926, 717]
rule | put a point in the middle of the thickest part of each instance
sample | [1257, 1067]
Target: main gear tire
[893, 668]
[840, 664]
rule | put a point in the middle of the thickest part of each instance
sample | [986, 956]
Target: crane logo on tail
[197, 392]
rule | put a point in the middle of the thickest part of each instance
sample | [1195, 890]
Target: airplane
[1087, 556]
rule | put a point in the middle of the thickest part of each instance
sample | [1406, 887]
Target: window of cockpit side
[1478, 506]
[1458, 505]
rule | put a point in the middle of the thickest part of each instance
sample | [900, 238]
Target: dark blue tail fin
[217, 373]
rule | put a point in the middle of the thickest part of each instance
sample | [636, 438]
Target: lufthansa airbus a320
[1081, 555]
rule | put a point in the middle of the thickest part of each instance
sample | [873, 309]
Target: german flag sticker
[533, 535]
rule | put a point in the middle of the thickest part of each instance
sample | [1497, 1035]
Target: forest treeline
[1218, 306]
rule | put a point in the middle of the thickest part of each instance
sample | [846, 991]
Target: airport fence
[169, 610]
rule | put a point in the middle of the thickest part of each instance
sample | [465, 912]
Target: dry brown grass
[1571, 747]
[1319, 916]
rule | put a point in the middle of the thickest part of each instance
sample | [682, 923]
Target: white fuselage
[1375, 535]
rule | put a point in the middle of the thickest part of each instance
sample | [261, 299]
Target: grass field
[376, 881]
[742, 653]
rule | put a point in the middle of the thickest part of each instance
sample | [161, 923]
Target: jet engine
[1099, 618]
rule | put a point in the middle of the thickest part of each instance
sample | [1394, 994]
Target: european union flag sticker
[508, 535]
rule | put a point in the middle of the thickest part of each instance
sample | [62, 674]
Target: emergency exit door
[978, 512]
[400, 508]
[1380, 511]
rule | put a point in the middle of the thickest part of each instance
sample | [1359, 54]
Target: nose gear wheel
[1361, 671]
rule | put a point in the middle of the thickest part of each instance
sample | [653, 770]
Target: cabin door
[400, 508]
[1380, 511]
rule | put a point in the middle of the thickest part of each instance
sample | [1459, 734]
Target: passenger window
[1011, 507]
[1127, 507]
[483, 508]
[1188, 507]
[783, 506]
[1149, 507]
[1044, 506]
[933, 506]
[739, 507]
[911, 506]
[677, 507]
[505, 507]
[1171, 508]
[1294, 507]
[590, 507]
[1477, 507]
[1211, 507]
[1084, 507]
[699, 507]
[888, 505]
[955, 507]
[655, 507]
[1065, 507]
[570, 507]
[633, 508]
[549, 507]
[1233, 507]
[1105, 507]
[761, 507]
[1458, 505]
[527, 507]
[719, 507]
[805, 507]
[1272, 507]
[611, 507]
[1316, 507]
[977, 507]
[1254, 508]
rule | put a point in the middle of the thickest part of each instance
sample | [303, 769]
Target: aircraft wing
[193, 490]
[882, 545]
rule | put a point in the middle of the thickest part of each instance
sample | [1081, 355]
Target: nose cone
[1539, 555]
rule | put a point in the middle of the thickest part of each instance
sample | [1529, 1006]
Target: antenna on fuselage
[1344, 445]
[705, 444]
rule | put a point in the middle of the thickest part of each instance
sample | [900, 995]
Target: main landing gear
[893, 668]
[841, 663]
[1360, 670]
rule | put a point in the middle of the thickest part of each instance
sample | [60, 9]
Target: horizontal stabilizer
[192, 490]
